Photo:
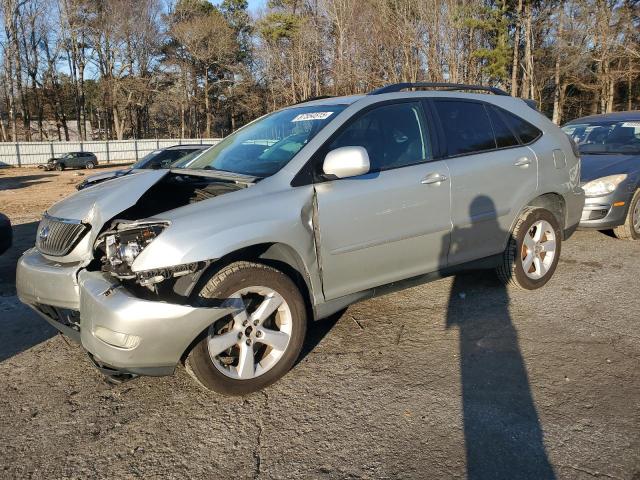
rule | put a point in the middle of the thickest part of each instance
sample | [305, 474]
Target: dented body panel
[160, 331]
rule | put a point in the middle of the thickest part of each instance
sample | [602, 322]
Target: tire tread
[506, 268]
[625, 231]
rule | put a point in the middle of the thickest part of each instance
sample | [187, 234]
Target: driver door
[393, 222]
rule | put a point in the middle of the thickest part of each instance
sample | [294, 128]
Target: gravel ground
[457, 378]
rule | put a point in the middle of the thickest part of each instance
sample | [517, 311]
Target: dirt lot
[458, 378]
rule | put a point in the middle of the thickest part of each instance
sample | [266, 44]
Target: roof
[633, 115]
[346, 100]
[193, 146]
[350, 99]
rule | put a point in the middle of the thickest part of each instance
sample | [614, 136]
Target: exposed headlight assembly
[124, 243]
[604, 185]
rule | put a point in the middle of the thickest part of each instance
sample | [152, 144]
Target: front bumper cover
[600, 212]
[117, 328]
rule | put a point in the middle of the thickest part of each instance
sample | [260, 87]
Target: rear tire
[250, 336]
[60, 167]
[630, 229]
[533, 250]
[89, 165]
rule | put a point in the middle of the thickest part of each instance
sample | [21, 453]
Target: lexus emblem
[44, 233]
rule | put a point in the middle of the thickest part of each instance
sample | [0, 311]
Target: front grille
[58, 236]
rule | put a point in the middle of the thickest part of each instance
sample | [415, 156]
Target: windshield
[265, 146]
[184, 161]
[144, 160]
[605, 137]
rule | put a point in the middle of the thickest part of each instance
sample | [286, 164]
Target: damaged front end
[117, 248]
[135, 322]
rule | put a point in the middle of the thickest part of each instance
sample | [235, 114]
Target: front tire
[60, 167]
[246, 351]
[533, 250]
[630, 229]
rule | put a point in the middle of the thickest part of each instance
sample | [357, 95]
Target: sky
[254, 5]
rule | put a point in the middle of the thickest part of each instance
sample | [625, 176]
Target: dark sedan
[170, 157]
[610, 150]
[72, 160]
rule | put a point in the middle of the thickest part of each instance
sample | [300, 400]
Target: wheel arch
[277, 255]
[554, 202]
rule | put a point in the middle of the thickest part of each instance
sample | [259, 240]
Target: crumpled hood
[99, 177]
[100, 203]
[597, 166]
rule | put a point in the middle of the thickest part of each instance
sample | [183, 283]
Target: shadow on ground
[21, 328]
[502, 432]
[22, 181]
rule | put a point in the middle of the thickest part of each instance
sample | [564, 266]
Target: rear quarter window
[505, 137]
[525, 131]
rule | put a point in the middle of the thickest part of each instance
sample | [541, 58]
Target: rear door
[492, 176]
[77, 159]
[392, 223]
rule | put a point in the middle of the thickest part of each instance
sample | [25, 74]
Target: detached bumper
[41, 281]
[133, 335]
[118, 330]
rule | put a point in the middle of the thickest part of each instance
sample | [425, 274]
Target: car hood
[103, 201]
[143, 195]
[597, 166]
[99, 177]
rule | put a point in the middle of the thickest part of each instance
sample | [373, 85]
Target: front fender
[210, 230]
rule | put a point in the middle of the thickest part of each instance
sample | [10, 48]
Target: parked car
[296, 216]
[610, 149]
[71, 160]
[163, 158]
[6, 233]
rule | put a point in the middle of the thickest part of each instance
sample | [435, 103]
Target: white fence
[113, 151]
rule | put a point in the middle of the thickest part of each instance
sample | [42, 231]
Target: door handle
[433, 178]
[522, 162]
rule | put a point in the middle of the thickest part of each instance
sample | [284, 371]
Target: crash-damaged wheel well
[276, 255]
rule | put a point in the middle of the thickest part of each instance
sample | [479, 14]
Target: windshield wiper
[220, 174]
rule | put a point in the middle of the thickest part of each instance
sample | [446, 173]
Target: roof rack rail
[396, 87]
[311, 99]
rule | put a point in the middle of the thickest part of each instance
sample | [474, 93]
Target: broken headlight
[124, 243]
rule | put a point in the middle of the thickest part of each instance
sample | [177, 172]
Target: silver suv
[296, 216]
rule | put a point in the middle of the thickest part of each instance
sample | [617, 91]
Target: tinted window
[466, 126]
[504, 135]
[393, 135]
[527, 132]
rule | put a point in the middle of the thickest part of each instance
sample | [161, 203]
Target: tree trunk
[527, 80]
[556, 77]
[516, 51]
[207, 108]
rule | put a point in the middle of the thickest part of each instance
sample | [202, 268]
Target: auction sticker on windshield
[304, 117]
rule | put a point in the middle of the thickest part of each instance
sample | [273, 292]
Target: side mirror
[346, 162]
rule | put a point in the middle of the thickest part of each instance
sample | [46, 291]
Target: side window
[504, 135]
[466, 126]
[527, 132]
[394, 136]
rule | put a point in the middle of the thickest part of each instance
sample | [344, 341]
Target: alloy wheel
[251, 341]
[538, 249]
